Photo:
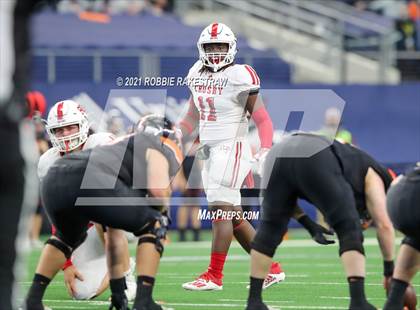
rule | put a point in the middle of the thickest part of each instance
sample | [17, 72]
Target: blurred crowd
[406, 14]
[131, 7]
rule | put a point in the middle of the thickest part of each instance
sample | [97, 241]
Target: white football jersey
[220, 98]
[50, 156]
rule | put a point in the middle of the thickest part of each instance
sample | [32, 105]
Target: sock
[144, 287]
[357, 291]
[196, 234]
[396, 295]
[37, 290]
[275, 268]
[181, 232]
[217, 262]
[255, 290]
[117, 286]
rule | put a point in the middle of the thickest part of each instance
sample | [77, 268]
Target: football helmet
[217, 33]
[158, 125]
[65, 113]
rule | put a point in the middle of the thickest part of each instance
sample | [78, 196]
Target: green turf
[314, 279]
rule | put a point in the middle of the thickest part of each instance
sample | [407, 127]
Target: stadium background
[367, 52]
[358, 49]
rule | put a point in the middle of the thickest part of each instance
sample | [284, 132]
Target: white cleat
[273, 278]
[204, 282]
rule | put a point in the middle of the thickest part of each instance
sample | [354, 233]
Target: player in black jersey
[345, 184]
[403, 201]
[109, 185]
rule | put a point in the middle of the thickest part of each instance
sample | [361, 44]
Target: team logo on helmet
[217, 33]
[66, 113]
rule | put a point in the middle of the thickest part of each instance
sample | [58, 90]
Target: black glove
[317, 231]
[119, 302]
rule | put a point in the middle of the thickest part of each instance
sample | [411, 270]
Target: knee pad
[159, 233]
[156, 241]
[63, 247]
[268, 237]
[414, 243]
[350, 236]
[66, 247]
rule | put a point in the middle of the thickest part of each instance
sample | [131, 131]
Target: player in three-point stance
[85, 273]
[403, 200]
[346, 184]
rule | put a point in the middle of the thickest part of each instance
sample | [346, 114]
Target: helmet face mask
[157, 125]
[220, 34]
[63, 114]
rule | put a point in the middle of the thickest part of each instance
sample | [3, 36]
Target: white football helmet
[65, 113]
[217, 33]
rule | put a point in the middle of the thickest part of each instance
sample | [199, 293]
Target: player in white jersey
[223, 96]
[86, 273]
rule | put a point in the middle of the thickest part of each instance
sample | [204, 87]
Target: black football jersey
[125, 158]
[355, 164]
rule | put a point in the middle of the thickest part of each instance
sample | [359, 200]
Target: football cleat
[276, 275]
[119, 302]
[205, 282]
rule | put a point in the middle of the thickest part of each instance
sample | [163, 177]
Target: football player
[346, 184]
[19, 189]
[85, 273]
[223, 94]
[129, 169]
[403, 206]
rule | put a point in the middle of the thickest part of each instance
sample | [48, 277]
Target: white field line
[290, 282]
[242, 257]
[243, 305]
[285, 244]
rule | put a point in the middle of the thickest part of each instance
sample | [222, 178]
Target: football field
[314, 278]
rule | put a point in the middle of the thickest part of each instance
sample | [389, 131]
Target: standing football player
[403, 206]
[223, 94]
[345, 184]
[85, 273]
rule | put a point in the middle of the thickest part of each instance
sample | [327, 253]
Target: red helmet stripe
[214, 30]
[60, 110]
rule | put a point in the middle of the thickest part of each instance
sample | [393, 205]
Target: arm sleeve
[264, 126]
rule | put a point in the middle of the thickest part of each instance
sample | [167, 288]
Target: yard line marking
[285, 244]
[243, 305]
[348, 298]
[289, 282]
[266, 301]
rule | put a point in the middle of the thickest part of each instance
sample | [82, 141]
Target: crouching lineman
[345, 184]
[85, 273]
[111, 183]
[403, 206]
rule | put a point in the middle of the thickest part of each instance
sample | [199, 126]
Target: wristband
[67, 264]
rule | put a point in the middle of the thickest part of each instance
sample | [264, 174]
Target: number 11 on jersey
[211, 117]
